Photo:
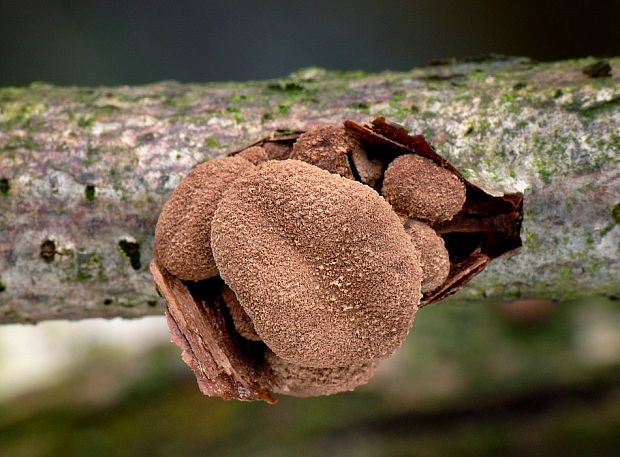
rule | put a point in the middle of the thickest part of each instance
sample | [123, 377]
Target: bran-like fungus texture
[277, 150]
[321, 264]
[299, 381]
[434, 257]
[370, 171]
[183, 231]
[328, 147]
[254, 154]
[419, 188]
[242, 322]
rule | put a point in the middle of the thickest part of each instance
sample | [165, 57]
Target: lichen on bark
[89, 168]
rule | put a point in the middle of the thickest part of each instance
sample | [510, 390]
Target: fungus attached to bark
[183, 231]
[277, 150]
[434, 258]
[297, 277]
[421, 189]
[320, 263]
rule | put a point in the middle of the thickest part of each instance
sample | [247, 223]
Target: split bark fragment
[225, 364]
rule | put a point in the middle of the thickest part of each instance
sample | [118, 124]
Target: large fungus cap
[434, 256]
[320, 263]
[183, 231]
[298, 381]
[328, 147]
[421, 189]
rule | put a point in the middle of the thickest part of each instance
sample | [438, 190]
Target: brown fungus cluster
[300, 381]
[296, 265]
[242, 322]
[254, 154]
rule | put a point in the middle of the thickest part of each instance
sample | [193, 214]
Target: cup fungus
[282, 277]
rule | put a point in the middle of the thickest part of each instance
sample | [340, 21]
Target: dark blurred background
[523, 378]
[134, 42]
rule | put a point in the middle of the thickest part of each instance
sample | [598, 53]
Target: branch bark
[85, 171]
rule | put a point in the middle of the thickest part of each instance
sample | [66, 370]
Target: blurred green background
[471, 380]
[539, 379]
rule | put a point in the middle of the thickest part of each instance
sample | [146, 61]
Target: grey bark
[85, 171]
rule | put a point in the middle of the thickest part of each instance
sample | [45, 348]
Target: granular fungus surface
[183, 231]
[286, 271]
[417, 187]
[321, 264]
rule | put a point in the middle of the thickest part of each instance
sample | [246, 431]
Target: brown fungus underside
[327, 147]
[209, 331]
[241, 321]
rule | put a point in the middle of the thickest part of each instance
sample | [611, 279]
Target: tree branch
[85, 171]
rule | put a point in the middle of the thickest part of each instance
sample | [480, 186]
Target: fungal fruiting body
[183, 231]
[296, 266]
[320, 263]
[327, 147]
[434, 257]
[417, 187]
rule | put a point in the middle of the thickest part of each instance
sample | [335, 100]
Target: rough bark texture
[85, 171]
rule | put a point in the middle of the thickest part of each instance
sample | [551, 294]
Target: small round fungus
[241, 321]
[277, 151]
[421, 189]
[434, 257]
[254, 154]
[298, 381]
[320, 263]
[183, 231]
[328, 147]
